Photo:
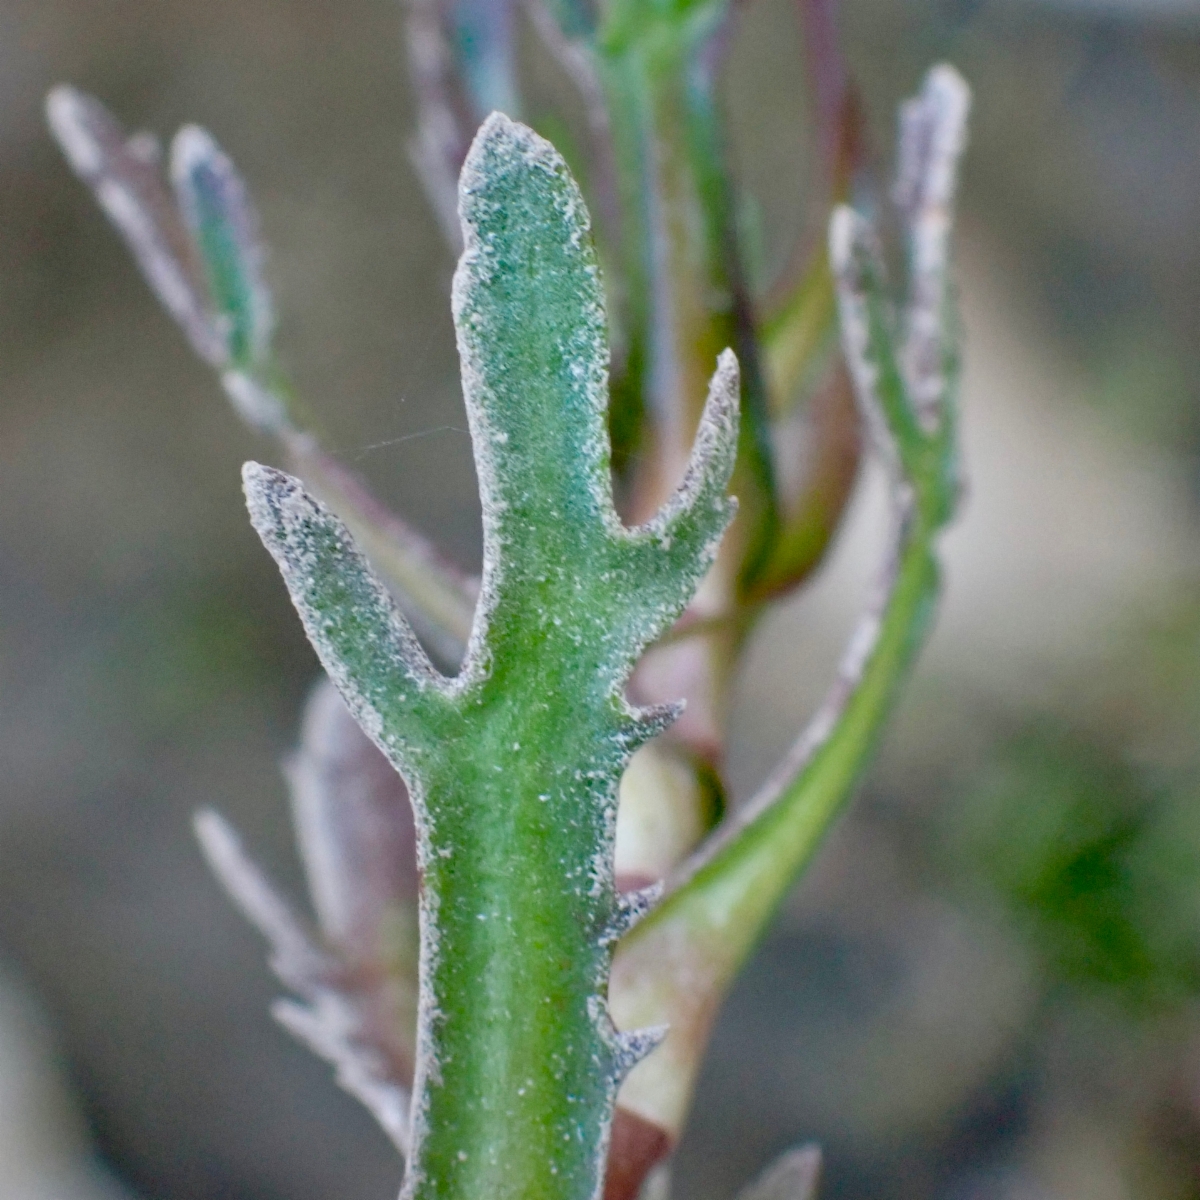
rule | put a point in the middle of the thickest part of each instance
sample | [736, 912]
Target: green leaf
[513, 766]
[356, 627]
[223, 224]
[216, 206]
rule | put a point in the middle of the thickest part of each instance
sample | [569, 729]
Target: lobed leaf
[529, 309]
[362, 638]
[513, 767]
[125, 176]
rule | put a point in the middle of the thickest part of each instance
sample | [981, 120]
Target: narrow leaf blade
[225, 228]
[792, 1176]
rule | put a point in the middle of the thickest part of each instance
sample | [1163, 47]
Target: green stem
[515, 1081]
[684, 301]
[759, 856]
[513, 766]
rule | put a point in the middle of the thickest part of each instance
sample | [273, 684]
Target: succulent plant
[508, 793]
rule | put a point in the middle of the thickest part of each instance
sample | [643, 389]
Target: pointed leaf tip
[501, 135]
[360, 635]
[717, 435]
[699, 511]
[714, 450]
[632, 907]
[653, 719]
[265, 489]
[635, 1045]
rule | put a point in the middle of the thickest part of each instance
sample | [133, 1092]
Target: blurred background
[989, 986]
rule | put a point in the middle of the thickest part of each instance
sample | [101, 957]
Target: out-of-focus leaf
[333, 1020]
[462, 63]
[354, 825]
[225, 230]
[125, 175]
[224, 226]
[674, 968]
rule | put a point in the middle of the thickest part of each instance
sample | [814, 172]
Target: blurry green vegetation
[1142, 385]
[1095, 860]
[195, 648]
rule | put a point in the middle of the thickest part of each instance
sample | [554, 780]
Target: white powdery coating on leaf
[286, 518]
[714, 452]
[636, 1045]
[625, 1050]
[369, 651]
[699, 504]
[932, 139]
[851, 250]
[634, 907]
[427, 1073]
[502, 146]
[793, 1176]
[933, 136]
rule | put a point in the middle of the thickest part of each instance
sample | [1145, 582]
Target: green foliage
[1097, 864]
[512, 705]
[514, 765]
[224, 227]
